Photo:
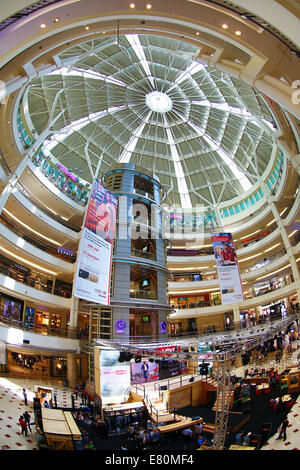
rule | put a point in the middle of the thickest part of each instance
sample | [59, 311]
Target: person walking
[25, 396]
[27, 418]
[284, 425]
[23, 425]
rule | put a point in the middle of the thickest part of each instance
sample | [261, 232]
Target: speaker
[151, 359]
[163, 387]
[26, 341]
[138, 359]
[125, 356]
[191, 379]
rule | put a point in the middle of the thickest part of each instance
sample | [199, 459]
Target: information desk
[181, 423]
[237, 447]
[60, 430]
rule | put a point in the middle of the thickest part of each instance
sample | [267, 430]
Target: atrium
[187, 112]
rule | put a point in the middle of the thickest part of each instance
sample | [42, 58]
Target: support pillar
[236, 315]
[71, 370]
[74, 313]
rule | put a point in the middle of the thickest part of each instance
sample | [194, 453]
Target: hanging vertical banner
[92, 279]
[228, 268]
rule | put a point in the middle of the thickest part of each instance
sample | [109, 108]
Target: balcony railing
[39, 285]
[44, 330]
[143, 254]
[143, 294]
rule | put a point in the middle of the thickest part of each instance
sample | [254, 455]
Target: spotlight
[238, 33]
[131, 5]
[43, 26]
[225, 26]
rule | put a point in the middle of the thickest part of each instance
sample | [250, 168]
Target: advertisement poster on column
[228, 268]
[92, 280]
[114, 377]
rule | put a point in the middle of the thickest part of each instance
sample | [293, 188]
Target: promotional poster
[114, 377]
[228, 268]
[92, 280]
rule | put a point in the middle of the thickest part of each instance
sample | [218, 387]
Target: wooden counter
[60, 429]
[237, 447]
[182, 424]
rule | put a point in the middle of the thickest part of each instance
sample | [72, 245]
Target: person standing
[284, 425]
[27, 417]
[23, 425]
[25, 396]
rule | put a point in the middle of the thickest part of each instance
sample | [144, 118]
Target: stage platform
[235, 419]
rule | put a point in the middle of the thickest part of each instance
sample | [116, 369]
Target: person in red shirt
[23, 425]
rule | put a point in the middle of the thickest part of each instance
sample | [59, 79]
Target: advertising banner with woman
[92, 280]
[228, 268]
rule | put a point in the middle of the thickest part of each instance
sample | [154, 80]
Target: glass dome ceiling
[145, 99]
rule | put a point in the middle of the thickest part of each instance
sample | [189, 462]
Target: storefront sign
[228, 269]
[92, 280]
[120, 326]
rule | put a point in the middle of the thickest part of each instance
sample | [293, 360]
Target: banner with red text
[228, 268]
[92, 279]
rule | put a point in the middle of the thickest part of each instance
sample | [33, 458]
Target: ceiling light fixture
[149, 6]
[238, 33]
[43, 26]
[87, 28]
[56, 20]
[225, 26]
[131, 5]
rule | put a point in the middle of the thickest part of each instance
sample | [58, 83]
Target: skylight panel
[139, 51]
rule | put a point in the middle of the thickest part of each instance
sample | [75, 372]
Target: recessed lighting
[197, 33]
[87, 28]
[238, 33]
[56, 20]
[149, 6]
[131, 5]
[225, 26]
[43, 26]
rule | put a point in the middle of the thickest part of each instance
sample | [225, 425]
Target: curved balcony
[40, 284]
[34, 251]
[40, 211]
[64, 193]
[57, 252]
[15, 333]
[250, 302]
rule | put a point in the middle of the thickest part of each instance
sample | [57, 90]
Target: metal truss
[225, 348]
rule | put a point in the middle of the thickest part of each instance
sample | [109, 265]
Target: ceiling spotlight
[43, 26]
[131, 5]
[87, 28]
[56, 20]
[238, 33]
[197, 33]
[225, 26]
[148, 6]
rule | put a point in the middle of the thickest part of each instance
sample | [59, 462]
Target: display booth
[60, 430]
[44, 394]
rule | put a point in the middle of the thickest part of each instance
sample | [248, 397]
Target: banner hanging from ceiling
[93, 273]
[228, 268]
